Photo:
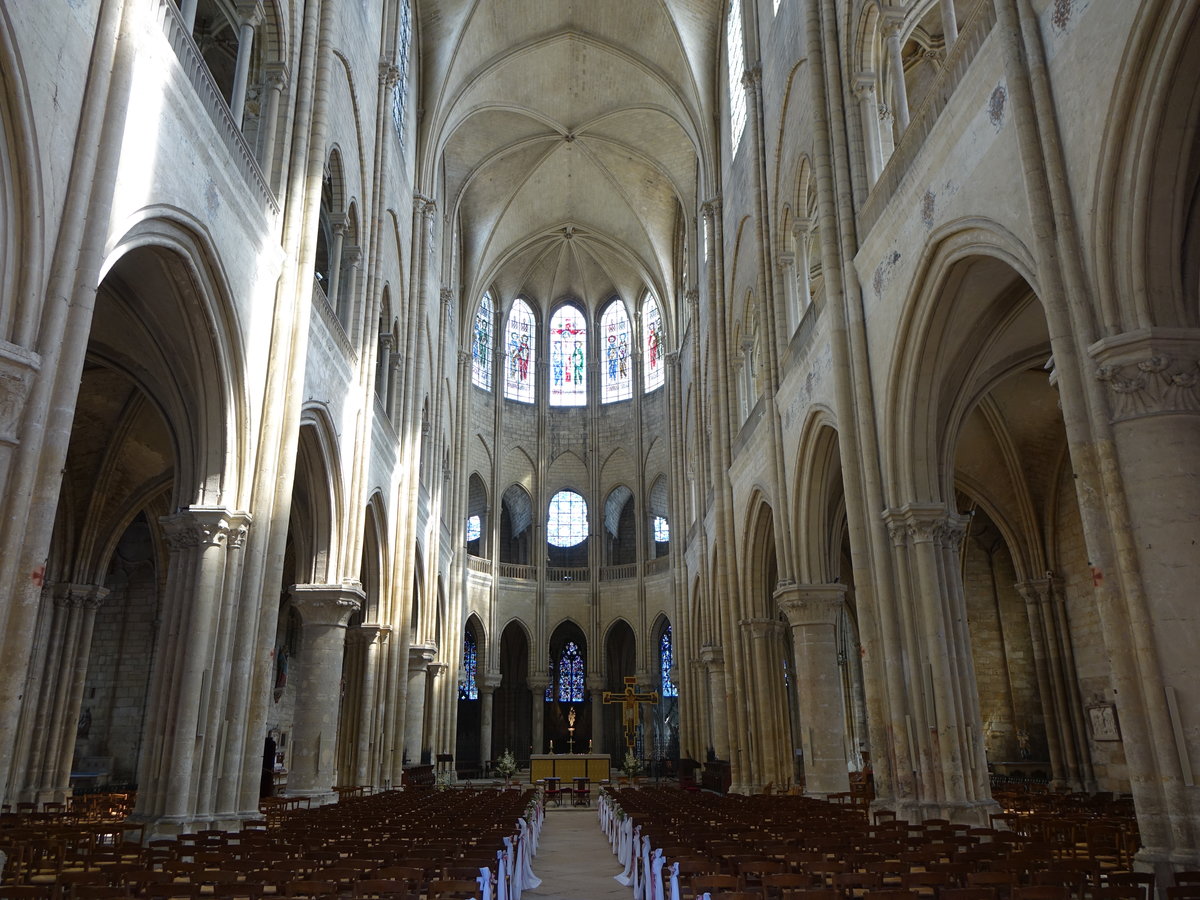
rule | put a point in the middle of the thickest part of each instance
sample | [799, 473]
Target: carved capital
[864, 87]
[538, 683]
[277, 75]
[488, 683]
[419, 657]
[438, 669]
[918, 523]
[712, 655]
[710, 209]
[78, 596]
[751, 78]
[352, 256]
[1152, 372]
[693, 299]
[760, 628]
[249, 12]
[363, 634]
[807, 605]
[199, 527]
[326, 604]
[389, 75]
[785, 261]
[891, 22]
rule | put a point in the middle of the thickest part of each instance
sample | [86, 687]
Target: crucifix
[630, 700]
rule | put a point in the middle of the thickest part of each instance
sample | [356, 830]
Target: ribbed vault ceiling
[567, 137]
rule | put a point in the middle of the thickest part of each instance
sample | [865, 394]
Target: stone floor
[574, 859]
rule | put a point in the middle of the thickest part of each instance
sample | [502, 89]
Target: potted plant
[505, 766]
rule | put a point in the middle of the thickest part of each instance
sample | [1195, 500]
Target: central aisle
[574, 860]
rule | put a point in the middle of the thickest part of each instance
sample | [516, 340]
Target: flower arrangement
[631, 766]
[506, 765]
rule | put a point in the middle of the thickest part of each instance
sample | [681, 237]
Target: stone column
[801, 233]
[368, 636]
[713, 658]
[324, 610]
[868, 107]
[892, 23]
[942, 718]
[250, 14]
[338, 225]
[436, 736]
[596, 689]
[487, 694]
[175, 733]
[767, 709]
[812, 611]
[949, 23]
[537, 687]
[187, 14]
[60, 690]
[350, 312]
[419, 658]
[277, 79]
[1152, 382]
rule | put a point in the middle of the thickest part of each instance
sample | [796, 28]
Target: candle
[552, 746]
[589, 745]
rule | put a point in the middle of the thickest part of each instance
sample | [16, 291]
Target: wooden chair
[1002, 883]
[236, 890]
[384, 889]
[702, 884]
[452, 889]
[926, 884]
[1189, 876]
[785, 885]
[969, 893]
[1142, 882]
[171, 890]
[27, 892]
[892, 895]
[855, 884]
[310, 889]
[1118, 892]
[1184, 892]
[1042, 892]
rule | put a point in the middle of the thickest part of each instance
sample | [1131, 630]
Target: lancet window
[570, 675]
[735, 58]
[667, 660]
[468, 689]
[616, 366]
[652, 344]
[520, 343]
[481, 345]
[568, 357]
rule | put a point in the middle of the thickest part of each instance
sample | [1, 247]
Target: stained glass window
[570, 674]
[568, 358]
[652, 340]
[521, 346]
[662, 530]
[467, 688]
[567, 521]
[616, 367]
[481, 346]
[735, 57]
[667, 658]
[474, 529]
[400, 91]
